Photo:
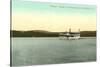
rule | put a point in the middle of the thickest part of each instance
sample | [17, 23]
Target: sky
[55, 17]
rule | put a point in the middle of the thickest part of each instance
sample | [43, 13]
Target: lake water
[51, 50]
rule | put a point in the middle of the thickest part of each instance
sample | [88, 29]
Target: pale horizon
[27, 15]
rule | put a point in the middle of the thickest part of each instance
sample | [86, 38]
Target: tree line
[42, 33]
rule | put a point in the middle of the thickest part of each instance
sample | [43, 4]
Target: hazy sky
[28, 15]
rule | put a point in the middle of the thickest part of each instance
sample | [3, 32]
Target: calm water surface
[51, 50]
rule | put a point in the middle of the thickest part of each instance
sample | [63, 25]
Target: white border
[5, 33]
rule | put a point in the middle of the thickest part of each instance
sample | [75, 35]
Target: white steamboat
[70, 35]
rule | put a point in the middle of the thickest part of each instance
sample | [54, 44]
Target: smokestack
[79, 30]
[69, 30]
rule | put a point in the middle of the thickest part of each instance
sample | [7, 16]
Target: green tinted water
[52, 50]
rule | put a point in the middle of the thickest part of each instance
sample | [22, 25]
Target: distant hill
[33, 33]
[42, 33]
[88, 33]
